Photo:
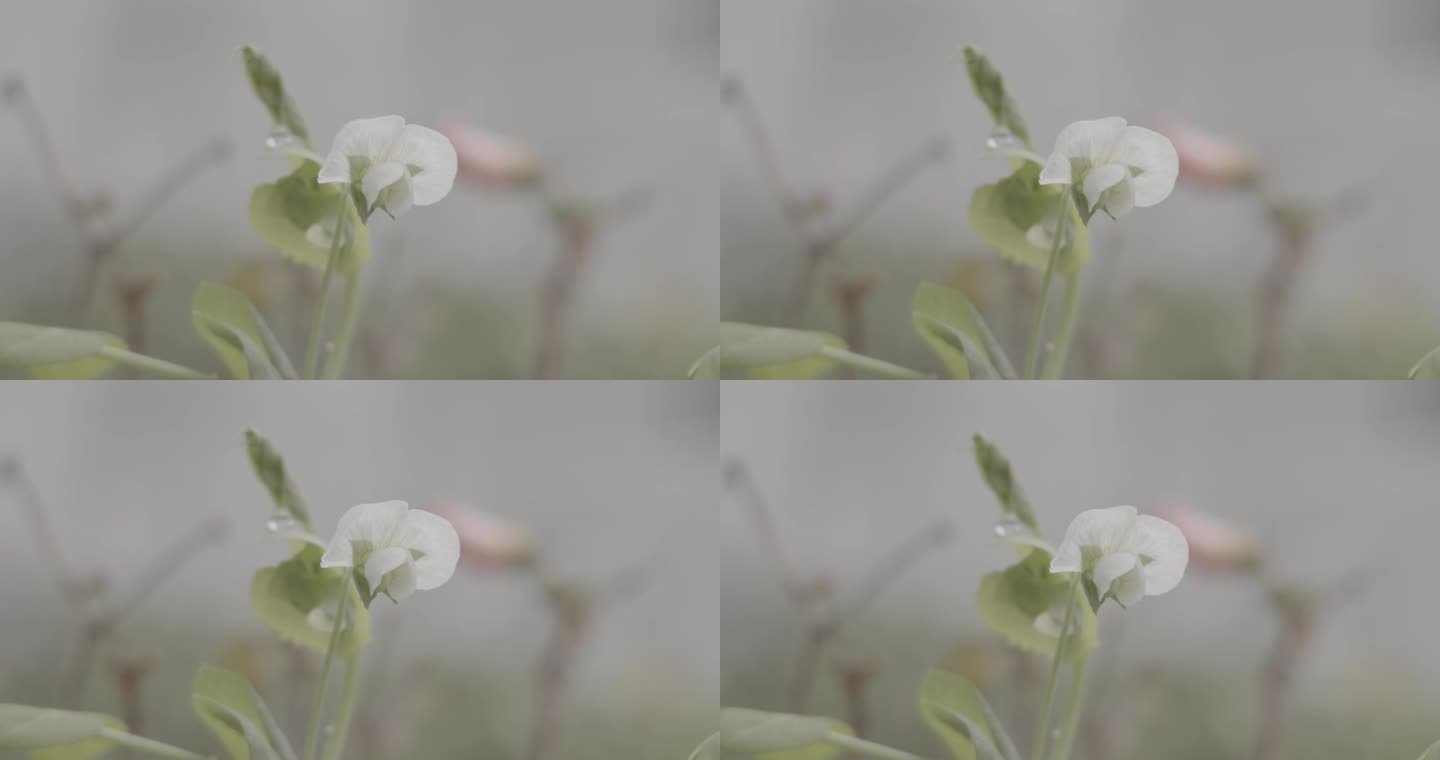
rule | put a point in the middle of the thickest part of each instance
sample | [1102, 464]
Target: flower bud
[1216, 545]
[491, 159]
[1210, 160]
[487, 541]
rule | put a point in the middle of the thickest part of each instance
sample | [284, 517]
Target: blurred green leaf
[990, 88]
[1428, 368]
[1433, 753]
[1010, 601]
[777, 736]
[995, 468]
[269, 468]
[284, 212]
[957, 334]
[56, 734]
[238, 334]
[270, 89]
[707, 367]
[236, 714]
[56, 353]
[283, 596]
[958, 713]
[775, 353]
[1002, 213]
[708, 749]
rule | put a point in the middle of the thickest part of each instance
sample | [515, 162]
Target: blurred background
[149, 491]
[132, 128]
[859, 100]
[846, 503]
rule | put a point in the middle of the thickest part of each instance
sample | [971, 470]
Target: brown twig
[850, 295]
[129, 675]
[133, 296]
[74, 587]
[855, 679]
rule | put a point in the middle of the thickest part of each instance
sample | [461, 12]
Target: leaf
[236, 714]
[775, 353]
[1433, 753]
[765, 734]
[958, 713]
[708, 749]
[284, 211]
[238, 335]
[64, 733]
[957, 334]
[270, 89]
[707, 367]
[1003, 212]
[995, 468]
[56, 353]
[990, 88]
[283, 596]
[1428, 368]
[1010, 600]
[269, 468]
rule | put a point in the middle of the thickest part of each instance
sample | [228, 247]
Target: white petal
[1129, 588]
[336, 168]
[401, 582]
[1165, 546]
[1100, 179]
[379, 177]
[382, 562]
[1108, 530]
[1057, 170]
[363, 522]
[439, 544]
[1092, 140]
[1068, 558]
[1121, 198]
[399, 197]
[368, 138]
[1154, 155]
[433, 159]
[1111, 567]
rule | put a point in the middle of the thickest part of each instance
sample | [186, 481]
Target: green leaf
[55, 734]
[777, 736]
[990, 88]
[995, 468]
[284, 211]
[1003, 212]
[775, 353]
[1433, 753]
[56, 353]
[1428, 368]
[707, 367]
[708, 749]
[1010, 600]
[958, 713]
[236, 714]
[958, 335]
[238, 334]
[269, 468]
[285, 594]
[270, 89]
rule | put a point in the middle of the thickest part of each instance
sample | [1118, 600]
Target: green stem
[869, 749]
[152, 365]
[1032, 349]
[317, 318]
[348, 696]
[317, 708]
[148, 746]
[1074, 708]
[1042, 726]
[871, 364]
[335, 367]
[1055, 363]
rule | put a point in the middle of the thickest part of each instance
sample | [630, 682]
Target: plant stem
[317, 707]
[869, 749]
[871, 364]
[1037, 326]
[349, 694]
[1073, 710]
[148, 746]
[335, 367]
[317, 319]
[152, 365]
[1055, 363]
[1042, 726]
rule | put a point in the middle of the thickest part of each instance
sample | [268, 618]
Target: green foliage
[238, 717]
[958, 334]
[1003, 212]
[958, 713]
[769, 353]
[778, 736]
[283, 212]
[238, 334]
[1433, 753]
[708, 749]
[56, 353]
[270, 470]
[270, 89]
[995, 468]
[55, 734]
[283, 596]
[1010, 600]
[990, 88]
[1428, 368]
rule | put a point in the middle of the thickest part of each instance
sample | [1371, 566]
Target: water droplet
[281, 137]
[280, 522]
[1011, 526]
[1001, 138]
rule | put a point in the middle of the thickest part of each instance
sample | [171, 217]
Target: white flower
[1128, 555]
[398, 549]
[396, 165]
[1117, 167]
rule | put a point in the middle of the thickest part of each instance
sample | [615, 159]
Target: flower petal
[1057, 170]
[1100, 179]
[379, 177]
[1091, 140]
[1168, 552]
[433, 160]
[335, 168]
[1109, 529]
[1111, 567]
[362, 522]
[399, 197]
[1154, 155]
[1129, 588]
[381, 563]
[401, 581]
[369, 138]
[1120, 200]
[438, 543]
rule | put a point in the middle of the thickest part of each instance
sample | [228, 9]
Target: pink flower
[1216, 545]
[1208, 159]
[487, 540]
[491, 159]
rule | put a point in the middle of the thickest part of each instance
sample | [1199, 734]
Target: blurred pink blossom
[491, 159]
[1216, 545]
[487, 540]
[1208, 159]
